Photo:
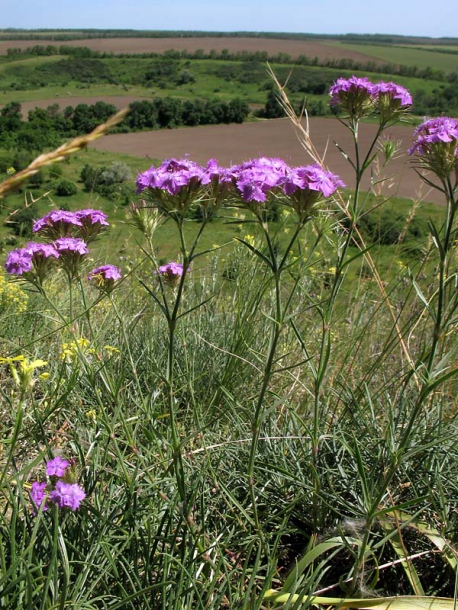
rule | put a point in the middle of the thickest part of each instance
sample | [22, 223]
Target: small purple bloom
[256, 178]
[355, 95]
[19, 261]
[171, 176]
[392, 91]
[56, 467]
[171, 272]
[38, 496]
[57, 223]
[67, 495]
[107, 272]
[39, 251]
[71, 245]
[89, 216]
[105, 277]
[436, 145]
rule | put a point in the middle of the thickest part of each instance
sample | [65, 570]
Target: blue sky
[419, 17]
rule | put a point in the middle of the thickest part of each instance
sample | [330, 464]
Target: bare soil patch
[275, 138]
[294, 48]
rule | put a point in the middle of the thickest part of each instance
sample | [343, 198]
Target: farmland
[223, 387]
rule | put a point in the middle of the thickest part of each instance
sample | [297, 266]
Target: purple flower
[171, 176]
[436, 145]
[307, 185]
[56, 467]
[392, 91]
[105, 277]
[67, 495]
[256, 178]
[354, 95]
[57, 223]
[19, 262]
[171, 272]
[89, 216]
[38, 496]
[39, 251]
[92, 221]
[71, 245]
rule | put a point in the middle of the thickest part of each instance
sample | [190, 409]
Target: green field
[407, 56]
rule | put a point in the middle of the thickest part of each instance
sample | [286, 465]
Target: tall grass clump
[262, 423]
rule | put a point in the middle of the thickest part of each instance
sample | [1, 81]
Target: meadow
[241, 391]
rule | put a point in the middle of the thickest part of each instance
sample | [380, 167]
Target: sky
[407, 17]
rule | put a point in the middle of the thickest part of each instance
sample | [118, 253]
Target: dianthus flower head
[57, 223]
[38, 496]
[392, 100]
[436, 145]
[354, 95]
[305, 186]
[92, 223]
[171, 272]
[255, 179]
[44, 257]
[56, 467]
[71, 245]
[67, 495]
[72, 251]
[105, 277]
[174, 185]
[19, 262]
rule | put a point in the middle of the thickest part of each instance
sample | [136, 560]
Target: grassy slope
[407, 56]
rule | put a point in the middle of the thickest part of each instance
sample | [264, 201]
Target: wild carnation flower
[71, 250]
[105, 277]
[392, 100]
[436, 145]
[307, 185]
[174, 185]
[38, 496]
[57, 223]
[393, 92]
[56, 467]
[172, 175]
[256, 178]
[92, 221]
[354, 95]
[19, 262]
[71, 245]
[67, 495]
[171, 272]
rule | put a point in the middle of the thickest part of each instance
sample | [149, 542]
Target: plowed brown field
[275, 138]
[294, 48]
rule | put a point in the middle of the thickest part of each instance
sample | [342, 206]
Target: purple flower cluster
[105, 277]
[436, 145]
[33, 261]
[182, 181]
[360, 97]
[84, 224]
[171, 272]
[71, 232]
[172, 176]
[60, 490]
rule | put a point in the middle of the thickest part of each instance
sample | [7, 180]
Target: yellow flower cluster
[69, 351]
[22, 374]
[11, 296]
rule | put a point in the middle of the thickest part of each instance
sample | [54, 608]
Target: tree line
[46, 127]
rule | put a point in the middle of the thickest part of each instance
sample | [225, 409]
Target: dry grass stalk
[61, 153]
